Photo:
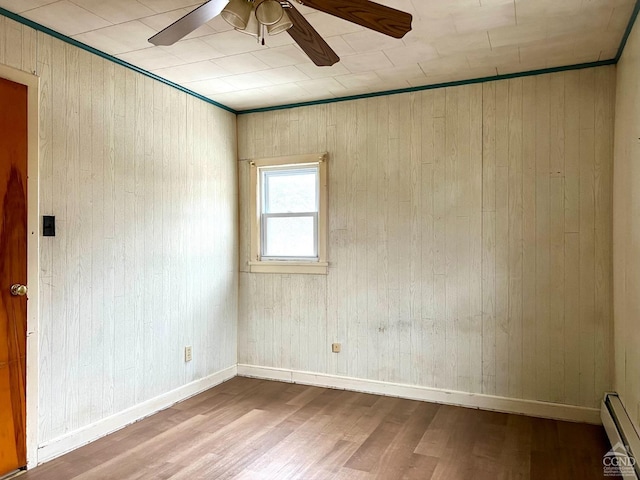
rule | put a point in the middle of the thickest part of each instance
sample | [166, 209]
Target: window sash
[264, 218]
[288, 170]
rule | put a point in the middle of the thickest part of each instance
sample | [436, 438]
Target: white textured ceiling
[451, 40]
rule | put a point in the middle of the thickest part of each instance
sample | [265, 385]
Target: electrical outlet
[335, 347]
[187, 354]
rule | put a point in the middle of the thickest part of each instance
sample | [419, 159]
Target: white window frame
[259, 264]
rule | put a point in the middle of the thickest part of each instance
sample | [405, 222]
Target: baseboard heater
[625, 442]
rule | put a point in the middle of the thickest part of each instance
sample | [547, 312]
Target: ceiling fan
[276, 16]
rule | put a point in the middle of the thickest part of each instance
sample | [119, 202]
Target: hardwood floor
[255, 429]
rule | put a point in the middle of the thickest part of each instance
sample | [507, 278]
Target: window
[288, 200]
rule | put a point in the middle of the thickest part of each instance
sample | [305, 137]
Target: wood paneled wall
[142, 181]
[626, 232]
[469, 245]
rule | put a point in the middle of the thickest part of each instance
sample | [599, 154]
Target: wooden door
[13, 270]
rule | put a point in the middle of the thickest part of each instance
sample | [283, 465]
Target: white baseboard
[72, 440]
[532, 408]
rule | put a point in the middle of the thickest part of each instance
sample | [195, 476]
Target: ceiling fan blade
[380, 18]
[187, 24]
[309, 39]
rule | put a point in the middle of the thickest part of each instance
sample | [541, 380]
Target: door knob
[18, 290]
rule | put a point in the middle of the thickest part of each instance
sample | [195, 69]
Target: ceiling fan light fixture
[253, 26]
[237, 13]
[282, 25]
[269, 12]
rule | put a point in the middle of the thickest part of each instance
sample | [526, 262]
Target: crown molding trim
[41, 28]
[627, 32]
[432, 87]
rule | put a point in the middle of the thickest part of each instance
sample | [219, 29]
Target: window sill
[309, 268]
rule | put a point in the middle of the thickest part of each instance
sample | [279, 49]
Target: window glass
[293, 190]
[290, 237]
